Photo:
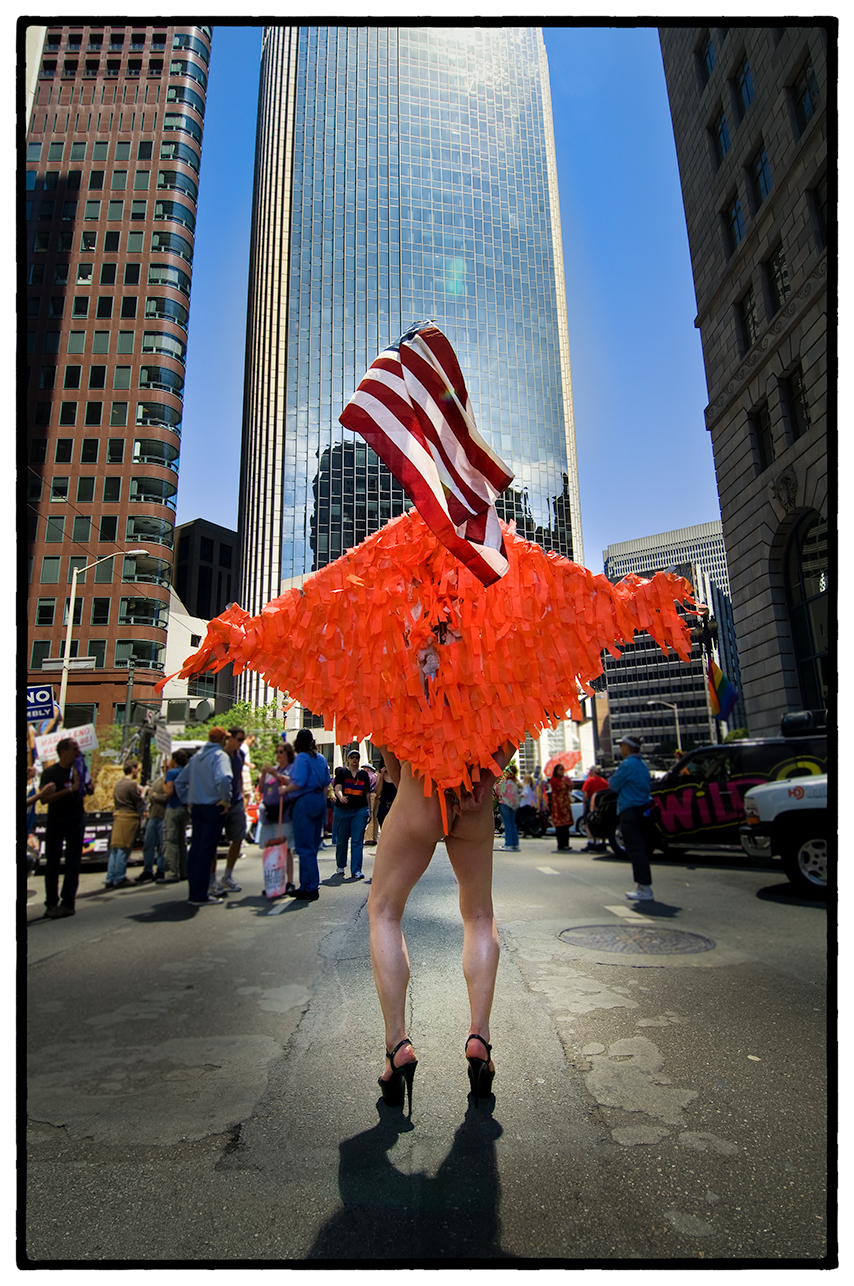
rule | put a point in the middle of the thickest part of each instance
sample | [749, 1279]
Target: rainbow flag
[721, 692]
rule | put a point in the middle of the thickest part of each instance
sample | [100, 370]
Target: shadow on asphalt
[389, 1215]
[787, 895]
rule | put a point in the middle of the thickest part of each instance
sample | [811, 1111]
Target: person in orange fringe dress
[400, 641]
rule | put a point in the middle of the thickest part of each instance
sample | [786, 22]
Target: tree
[267, 723]
[737, 734]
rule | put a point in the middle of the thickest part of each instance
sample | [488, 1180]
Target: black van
[700, 802]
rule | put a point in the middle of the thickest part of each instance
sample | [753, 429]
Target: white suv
[788, 819]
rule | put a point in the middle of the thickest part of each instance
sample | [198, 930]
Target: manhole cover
[636, 939]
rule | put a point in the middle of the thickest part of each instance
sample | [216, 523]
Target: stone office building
[751, 108]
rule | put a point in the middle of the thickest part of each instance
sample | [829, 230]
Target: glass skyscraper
[401, 174]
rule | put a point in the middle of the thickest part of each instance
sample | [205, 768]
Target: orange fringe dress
[398, 641]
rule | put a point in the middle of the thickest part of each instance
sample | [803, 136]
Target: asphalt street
[201, 1083]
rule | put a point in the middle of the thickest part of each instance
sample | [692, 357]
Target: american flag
[413, 410]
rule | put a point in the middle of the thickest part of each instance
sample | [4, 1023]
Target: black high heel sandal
[399, 1084]
[480, 1077]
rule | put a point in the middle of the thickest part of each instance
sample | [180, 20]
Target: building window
[777, 280]
[805, 95]
[50, 570]
[85, 488]
[119, 180]
[97, 376]
[62, 454]
[760, 177]
[92, 210]
[119, 415]
[34, 490]
[76, 341]
[59, 489]
[125, 341]
[38, 453]
[818, 203]
[101, 342]
[763, 438]
[115, 450]
[748, 323]
[807, 588]
[104, 572]
[706, 59]
[54, 531]
[132, 274]
[89, 451]
[744, 89]
[115, 209]
[105, 307]
[128, 308]
[98, 649]
[72, 377]
[112, 240]
[720, 137]
[80, 306]
[100, 611]
[93, 414]
[45, 610]
[121, 377]
[734, 224]
[108, 529]
[80, 530]
[796, 405]
[108, 274]
[40, 652]
[78, 611]
[112, 490]
[68, 414]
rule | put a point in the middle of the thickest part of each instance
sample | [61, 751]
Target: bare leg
[407, 840]
[470, 851]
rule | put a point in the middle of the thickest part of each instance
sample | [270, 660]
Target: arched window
[806, 586]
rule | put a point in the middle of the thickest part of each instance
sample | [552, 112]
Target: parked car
[788, 820]
[699, 803]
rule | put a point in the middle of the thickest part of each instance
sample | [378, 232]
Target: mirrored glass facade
[401, 174]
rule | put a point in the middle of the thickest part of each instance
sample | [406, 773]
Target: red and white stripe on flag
[413, 410]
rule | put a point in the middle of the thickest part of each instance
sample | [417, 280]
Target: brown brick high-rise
[113, 152]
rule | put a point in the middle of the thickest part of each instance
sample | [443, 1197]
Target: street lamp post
[671, 706]
[79, 571]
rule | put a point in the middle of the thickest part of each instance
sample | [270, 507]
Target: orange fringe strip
[398, 641]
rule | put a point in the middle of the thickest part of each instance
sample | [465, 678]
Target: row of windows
[149, 414]
[158, 275]
[144, 490]
[158, 377]
[145, 531]
[116, 41]
[147, 654]
[145, 450]
[168, 242]
[167, 180]
[45, 211]
[121, 152]
[155, 307]
[131, 611]
[795, 412]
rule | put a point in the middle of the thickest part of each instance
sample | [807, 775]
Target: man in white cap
[631, 782]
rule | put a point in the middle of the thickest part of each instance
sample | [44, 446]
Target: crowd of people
[297, 802]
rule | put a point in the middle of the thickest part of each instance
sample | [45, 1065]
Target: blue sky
[644, 456]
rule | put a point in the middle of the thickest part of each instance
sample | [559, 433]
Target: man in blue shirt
[208, 777]
[631, 782]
